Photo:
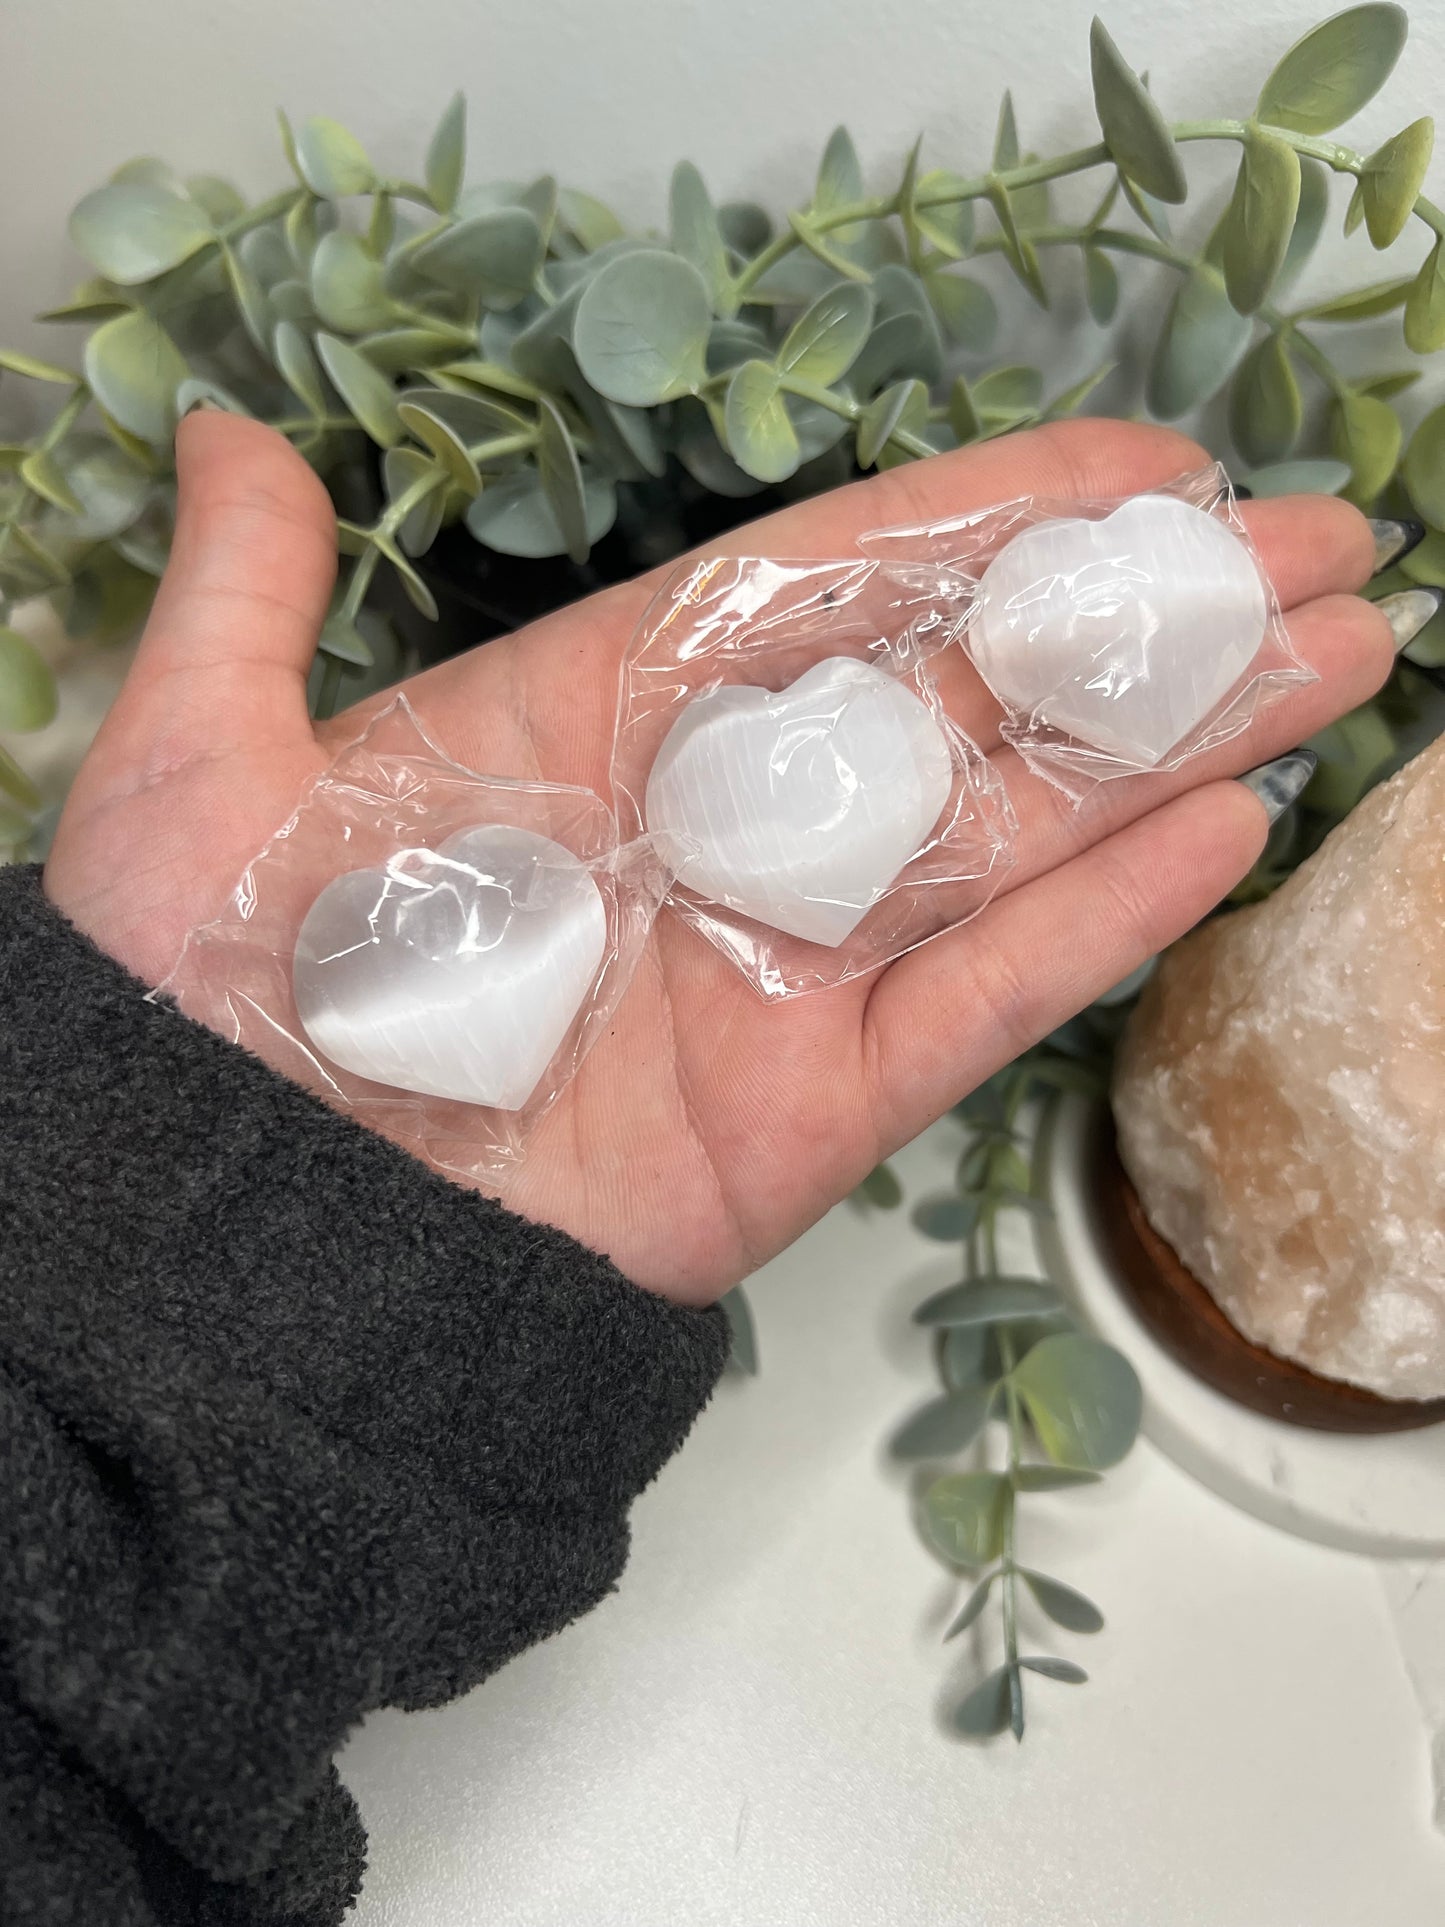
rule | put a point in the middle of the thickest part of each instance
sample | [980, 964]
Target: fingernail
[1277, 784]
[1393, 539]
[1242, 491]
[1407, 611]
[203, 401]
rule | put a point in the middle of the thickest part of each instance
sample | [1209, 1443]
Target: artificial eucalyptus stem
[549, 371]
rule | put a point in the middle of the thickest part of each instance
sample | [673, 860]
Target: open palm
[707, 1128]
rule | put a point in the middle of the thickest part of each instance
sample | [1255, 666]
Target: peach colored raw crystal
[1280, 1096]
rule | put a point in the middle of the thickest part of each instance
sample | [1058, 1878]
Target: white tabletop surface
[746, 1734]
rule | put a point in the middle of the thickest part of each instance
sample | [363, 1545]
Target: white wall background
[607, 94]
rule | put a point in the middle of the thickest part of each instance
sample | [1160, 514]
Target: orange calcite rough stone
[1280, 1098]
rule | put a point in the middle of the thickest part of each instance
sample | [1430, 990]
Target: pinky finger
[950, 1014]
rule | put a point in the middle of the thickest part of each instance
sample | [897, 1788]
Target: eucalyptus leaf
[347, 286]
[134, 370]
[401, 350]
[251, 299]
[1083, 1399]
[1363, 304]
[825, 341]
[702, 454]
[1330, 74]
[93, 300]
[1392, 180]
[515, 517]
[1424, 467]
[1052, 1478]
[1366, 433]
[446, 156]
[988, 1300]
[1261, 218]
[641, 328]
[972, 1607]
[901, 409]
[41, 472]
[404, 469]
[561, 476]
[945, 1425]
[1066, 1607]
[1266, 409]
[1352, 752]
[369, 395]
[331, 161]
[963, 416]
[221, 200]
[1425, 305]
[344, 642]
[110, 486]
[418, 594]
[964, 1512]
[696, 235]
[493, 257]
[1134, 130]
[1389, 383]
[969, 1355]
[1202, 338]
[1060, 1669]
[28, 698]
[746, 227]
[946, 225]
[987, 1710]
[881, 1188]
[33, 368]
[898, 345]
[133, 232]
[298, 368]
[1309, 220]
[945, 1217]
[1009, 393]
[16, 784]
[1073, 397]
[1019, 251]
[966, 308]
[590, 222]
[441, 441]
[760, 433]
[840, 177]
[1101, 285]
[1314, 476]
[742, 1330]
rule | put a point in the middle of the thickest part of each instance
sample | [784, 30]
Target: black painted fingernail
[1277, 784]
[1393, 538]
[1407, 611]
[1242, 491]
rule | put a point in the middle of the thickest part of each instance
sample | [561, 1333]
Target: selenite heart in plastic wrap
[800, 808]
[454, 973]
[1123, 633]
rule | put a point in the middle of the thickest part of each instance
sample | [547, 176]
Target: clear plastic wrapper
[1115, 636]
[431, 950]
[786, 735]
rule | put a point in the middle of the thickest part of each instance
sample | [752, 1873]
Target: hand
[708, 1128]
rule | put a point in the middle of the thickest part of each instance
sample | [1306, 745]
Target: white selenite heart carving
[800, 808]
[1124, 633]
[454, 973]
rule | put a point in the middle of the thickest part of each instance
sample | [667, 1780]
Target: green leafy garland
[510, 358]
[1010, 1351]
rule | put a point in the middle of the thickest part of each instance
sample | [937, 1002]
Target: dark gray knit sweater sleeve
[290, 1428]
